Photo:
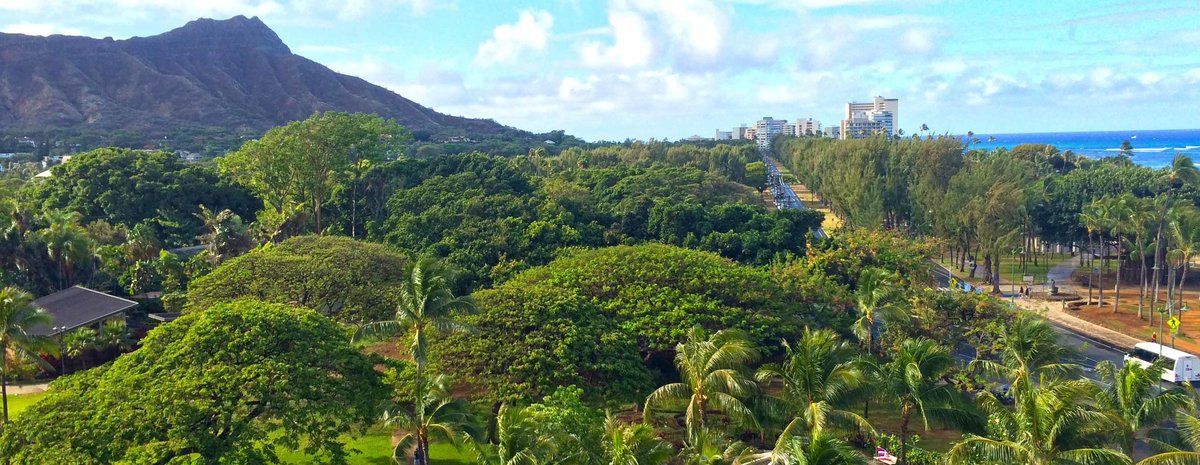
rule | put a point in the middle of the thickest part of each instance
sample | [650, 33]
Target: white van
[1181, 366]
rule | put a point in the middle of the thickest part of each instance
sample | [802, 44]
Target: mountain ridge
[234, 74]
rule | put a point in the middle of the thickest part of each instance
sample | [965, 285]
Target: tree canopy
[226, 385]
[351, 280]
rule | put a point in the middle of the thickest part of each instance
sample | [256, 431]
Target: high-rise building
[739, 133]
[723, 135]
[807, 127]
[766, 129]
[880, 115]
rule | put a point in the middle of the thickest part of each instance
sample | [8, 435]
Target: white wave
[1189, 147]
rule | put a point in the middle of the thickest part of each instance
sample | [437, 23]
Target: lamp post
[1153, 299]
[1182, 309]
[1012, 276]
[1161, 312]
[62, 350]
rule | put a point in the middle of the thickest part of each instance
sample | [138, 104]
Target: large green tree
[304, 162]
[351, 280]
[226, 385]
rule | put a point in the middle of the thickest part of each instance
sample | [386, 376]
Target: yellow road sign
[1173, 323]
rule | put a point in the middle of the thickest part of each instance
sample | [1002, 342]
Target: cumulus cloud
[510, 41]
[648, 33]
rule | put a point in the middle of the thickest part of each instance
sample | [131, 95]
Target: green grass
[1010, 267]
[18, 404]
[375, 448]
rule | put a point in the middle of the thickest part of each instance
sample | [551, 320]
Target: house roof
[77, 307]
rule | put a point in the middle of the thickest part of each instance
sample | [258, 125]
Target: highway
[783, 195]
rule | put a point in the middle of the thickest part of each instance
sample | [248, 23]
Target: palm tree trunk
[1118, 289]
[904, 417]
[1100, 275]
[1091, 268]
[1142, 288]
[4, 379]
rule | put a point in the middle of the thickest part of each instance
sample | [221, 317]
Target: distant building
[739, 132]
[833, 131]
[767, 128]
[879, 116]
[807, 127]
[750, 134]
[188, 156]
[77, 307]
[723, 135]
[695, 138]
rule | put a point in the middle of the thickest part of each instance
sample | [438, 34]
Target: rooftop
[77, 307]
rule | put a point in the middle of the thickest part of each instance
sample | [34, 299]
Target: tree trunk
[1100, 275]
[1117, 291]
[904, 417]
[996, 276]
[4, 379]
[1142, 288]
[1091, 269]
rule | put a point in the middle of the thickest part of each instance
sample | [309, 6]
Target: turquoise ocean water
[1154, 149]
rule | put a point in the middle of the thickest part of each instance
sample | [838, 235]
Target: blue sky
[672, 68]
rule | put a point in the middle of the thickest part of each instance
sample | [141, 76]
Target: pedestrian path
[27, 389]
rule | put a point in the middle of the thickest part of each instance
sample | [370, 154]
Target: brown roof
[77, 307]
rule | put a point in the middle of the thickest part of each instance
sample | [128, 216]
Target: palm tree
[712, 369]
[1092, 218]
[426, 304]
[1030, 353]
[66, 242]
[1120, 215]
[819, 449]
[877, 298]
[818, 373]
[17, 317]
[1185, 233]
[635, 444]
[518, 441]
[1129, 394]
[914, 379]
[1140, 218]
[226, 237]
[1182, 172]
[708, 446]
[436, 413]
[1052, 425]
[1180, 443]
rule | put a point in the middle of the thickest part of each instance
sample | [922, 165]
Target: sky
[668, 69]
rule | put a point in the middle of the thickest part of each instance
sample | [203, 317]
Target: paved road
[783, 195]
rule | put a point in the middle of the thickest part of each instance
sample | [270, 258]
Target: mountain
[233, 74]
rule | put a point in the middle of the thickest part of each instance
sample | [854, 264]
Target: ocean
[1154, 149]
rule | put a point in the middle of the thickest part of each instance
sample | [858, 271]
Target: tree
[878, 301]
[1182, 172]
[66, 242]
[914, 379]
[435, 413]
[303, 162]
[635, 444]
[352, 281]
[818, 375]
[1128, 393]
[1030, 354]
[1052, 425]
[519, 441]
[713, 379]
[17, 317]
[426, 305]
[1185, 234]
[820, 449]
[212, 387]
[1181, 443]
[226, 236]
[756, 175]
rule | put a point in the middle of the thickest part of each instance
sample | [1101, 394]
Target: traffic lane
[1089, 352]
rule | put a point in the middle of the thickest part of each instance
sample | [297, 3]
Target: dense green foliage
[592, 316]
[130, 187]
[352, 281]
[214, 386]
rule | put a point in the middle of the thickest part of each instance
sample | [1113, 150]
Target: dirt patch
[1126, 320]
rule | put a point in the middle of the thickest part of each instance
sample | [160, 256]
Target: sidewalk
[27, 389]
[1053, 311]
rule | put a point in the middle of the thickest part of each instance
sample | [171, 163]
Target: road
[1089, 352]
[783, 195]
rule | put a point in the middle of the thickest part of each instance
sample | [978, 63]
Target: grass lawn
[18, 404]
[1010, 268]
[886, 419]
[375, 447]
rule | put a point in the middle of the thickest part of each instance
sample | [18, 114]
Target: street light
[62, 349]
[1012, 270]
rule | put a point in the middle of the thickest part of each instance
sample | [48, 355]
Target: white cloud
[690, 34]
[40, 29]
[509, 41]
[918, 41]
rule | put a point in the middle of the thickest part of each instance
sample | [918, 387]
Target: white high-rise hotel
[867, 119]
